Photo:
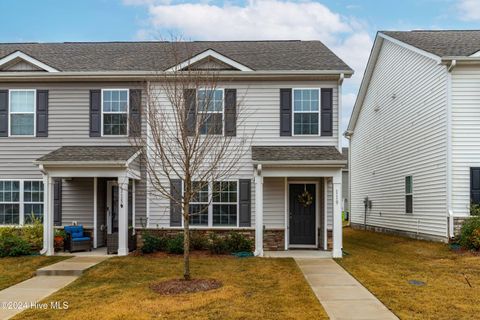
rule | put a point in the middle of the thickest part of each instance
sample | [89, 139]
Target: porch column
[258, 211]
[337, 215]
[48, 228]
[122, 215]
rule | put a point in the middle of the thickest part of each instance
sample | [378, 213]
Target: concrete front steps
[71, 267]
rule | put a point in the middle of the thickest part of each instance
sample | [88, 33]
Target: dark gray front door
[302, 214]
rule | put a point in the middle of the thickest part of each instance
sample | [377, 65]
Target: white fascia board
[475, 55]
[213, 54]
[27, 58]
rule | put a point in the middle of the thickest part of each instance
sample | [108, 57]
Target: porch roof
[298, 154]
[91, 154]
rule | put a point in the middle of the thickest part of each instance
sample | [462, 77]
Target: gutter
[449, 208]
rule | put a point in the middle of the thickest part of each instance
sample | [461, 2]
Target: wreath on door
[305, 199]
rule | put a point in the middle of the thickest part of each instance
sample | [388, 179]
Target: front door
[302, 199]
[112, 207]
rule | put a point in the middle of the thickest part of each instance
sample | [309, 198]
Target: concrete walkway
[49, 279]
[341, 295]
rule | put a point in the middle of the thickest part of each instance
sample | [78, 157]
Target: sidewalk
[341, 295]
[49, 279]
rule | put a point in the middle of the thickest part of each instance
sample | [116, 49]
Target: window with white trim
[9, 202]
[215, 204]
[22, 112]
[32, 200]
[409, 194]
[306, 111]
[210, 110]
[115, 112]
[199, 204]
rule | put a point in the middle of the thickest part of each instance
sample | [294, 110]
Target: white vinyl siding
[402, 130]
[465, 97]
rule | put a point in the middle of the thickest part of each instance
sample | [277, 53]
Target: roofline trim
[114, 163]
[206, 54]
[20, 55]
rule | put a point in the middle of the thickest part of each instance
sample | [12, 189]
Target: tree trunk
[186, 242]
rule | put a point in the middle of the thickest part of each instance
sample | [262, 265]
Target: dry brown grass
[385, 264]
[253, 288]
[17, 269]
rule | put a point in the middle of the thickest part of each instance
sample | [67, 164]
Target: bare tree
[187, 138]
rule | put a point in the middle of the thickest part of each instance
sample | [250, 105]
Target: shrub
[33, 233]
[13, 245]
[152, 243]
[175, 244]
[470, 233]
[217, 244]
[475, 209]
[237, 242]
[198, 241]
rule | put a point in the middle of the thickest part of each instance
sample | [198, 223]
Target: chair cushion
[74, 231]
[81, 239]
[76, 235]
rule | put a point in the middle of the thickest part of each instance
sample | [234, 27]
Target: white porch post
[337, 215]
[259, 211]
[122, 215]
[48, 228]
[95, 223]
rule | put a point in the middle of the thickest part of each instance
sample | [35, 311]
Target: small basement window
[409, 194]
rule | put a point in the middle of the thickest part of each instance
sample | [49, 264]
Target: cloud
[469, 10]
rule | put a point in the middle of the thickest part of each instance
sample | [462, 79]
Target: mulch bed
[179, 286]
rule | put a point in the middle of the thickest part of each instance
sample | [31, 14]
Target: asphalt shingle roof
[156, 56]
[295, 153]
[442, 42]
[87, 153]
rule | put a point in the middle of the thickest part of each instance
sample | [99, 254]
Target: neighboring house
[65, 154]
[345, 184]
[415, 134]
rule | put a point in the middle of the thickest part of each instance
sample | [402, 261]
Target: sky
[347, 27]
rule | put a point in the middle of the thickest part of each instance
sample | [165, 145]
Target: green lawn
[385, 264]
[18, 269]
[253, 288]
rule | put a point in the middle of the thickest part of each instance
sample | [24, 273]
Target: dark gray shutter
[3, 113]
[135, 112]
[230, 112]
[245, 215]
[95, 113]
[475, 185]
[175, 205]
[285, 112]
[57, 202]
[42, 113]
[189, 95]
[327, 112]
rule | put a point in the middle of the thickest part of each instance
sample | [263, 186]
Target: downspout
[147, 182]
[449, 211]
[45, 199]
[348, 135]
[340, 82]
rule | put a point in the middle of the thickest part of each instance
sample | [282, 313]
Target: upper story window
[306, 111]
[409, 194]
[210, 110]
[115, 112]
[22, 112]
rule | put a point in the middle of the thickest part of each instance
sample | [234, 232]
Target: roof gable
[19, 61]
[210, 55]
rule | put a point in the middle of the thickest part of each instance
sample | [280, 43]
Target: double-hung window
[306, 111]
[9, 202]
[22, 112]
[199, 204]
[215, 204]
[115, 112]
[409, 194]
[21, 201]
[210, 110]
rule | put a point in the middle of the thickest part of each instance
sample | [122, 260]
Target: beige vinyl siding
[465, 98]
[77, 201]
[406, 135]
[274, 203]
[259, 105]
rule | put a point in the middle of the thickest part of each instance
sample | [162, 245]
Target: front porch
[94, 187]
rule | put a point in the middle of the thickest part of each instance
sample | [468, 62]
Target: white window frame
[408, 194]
[319, 112]
[110, 112]
[214, 112]
[22, 187]
[203, 203]
[10, 113]
[210, 207]
[21, 201]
